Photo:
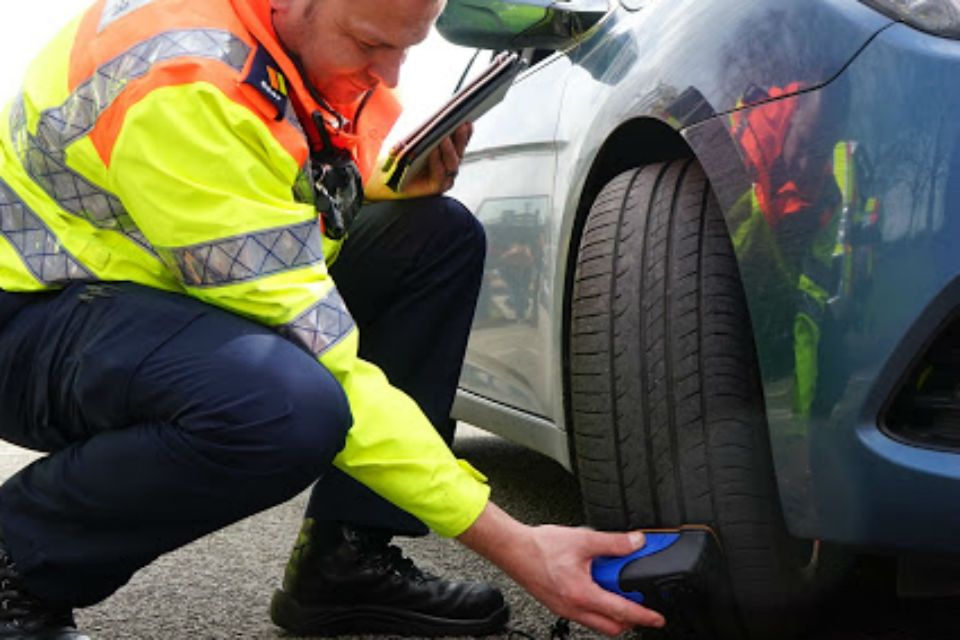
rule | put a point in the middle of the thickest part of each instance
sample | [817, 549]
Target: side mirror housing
[519, 24]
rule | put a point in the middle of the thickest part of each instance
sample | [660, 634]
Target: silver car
[721, 285]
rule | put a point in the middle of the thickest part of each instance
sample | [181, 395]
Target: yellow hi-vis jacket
[153, 141]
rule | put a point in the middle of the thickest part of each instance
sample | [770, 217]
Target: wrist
[503, 540]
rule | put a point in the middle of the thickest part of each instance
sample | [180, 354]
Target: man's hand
[553, 564]
[436, 177]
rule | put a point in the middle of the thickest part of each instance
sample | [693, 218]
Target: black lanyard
[337, 183]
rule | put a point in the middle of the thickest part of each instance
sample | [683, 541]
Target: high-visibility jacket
[155, 141]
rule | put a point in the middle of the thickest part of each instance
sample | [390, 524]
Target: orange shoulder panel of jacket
[255, 16]
[92, 49]
[177, 72]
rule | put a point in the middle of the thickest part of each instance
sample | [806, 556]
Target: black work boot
[26, 617]
[344, 580]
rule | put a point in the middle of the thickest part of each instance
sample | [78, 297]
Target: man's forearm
[499, 538]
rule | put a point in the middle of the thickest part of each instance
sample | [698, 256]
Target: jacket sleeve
[211, 188]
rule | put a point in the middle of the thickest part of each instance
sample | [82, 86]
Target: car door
[507, 179]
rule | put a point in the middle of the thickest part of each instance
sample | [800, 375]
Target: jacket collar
[256, 17]
[380, 113]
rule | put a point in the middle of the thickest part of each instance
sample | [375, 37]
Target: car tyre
[667, 410]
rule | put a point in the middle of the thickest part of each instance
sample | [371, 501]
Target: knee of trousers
[463, 225]
[455, 228]
[315, 419]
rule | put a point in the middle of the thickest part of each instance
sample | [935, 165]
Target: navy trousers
[166, 418]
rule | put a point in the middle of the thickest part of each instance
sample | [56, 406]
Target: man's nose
[387, 67]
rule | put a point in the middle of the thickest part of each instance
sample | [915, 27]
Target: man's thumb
[619, 544]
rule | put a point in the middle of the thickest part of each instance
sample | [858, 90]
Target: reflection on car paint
[511, 297]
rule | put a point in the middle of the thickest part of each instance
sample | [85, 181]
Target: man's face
[348, 47]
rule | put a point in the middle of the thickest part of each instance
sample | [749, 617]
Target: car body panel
[889, 278]
[855, 482]
[510, 344]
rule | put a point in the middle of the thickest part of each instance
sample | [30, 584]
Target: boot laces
[390, 559]
[16, 605]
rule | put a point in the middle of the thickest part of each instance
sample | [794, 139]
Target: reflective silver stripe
[113, 10]
[76, 117]
[43, 154]
[247, 257]
[74, 193]
[39, 248]
[321, 326]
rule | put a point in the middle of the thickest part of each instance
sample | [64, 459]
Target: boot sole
[294, 618]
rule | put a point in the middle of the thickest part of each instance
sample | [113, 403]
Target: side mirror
[519, 24]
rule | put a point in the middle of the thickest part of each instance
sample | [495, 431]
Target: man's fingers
[461, 137]
[615, 607]
[613, 614]
[604, 611]
[449, 156]
[438, 171]
[626, 611]
[602, 624]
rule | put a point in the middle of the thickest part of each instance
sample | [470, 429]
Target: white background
[428, 77]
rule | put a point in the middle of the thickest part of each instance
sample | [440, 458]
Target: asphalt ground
[220, 586]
